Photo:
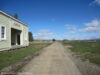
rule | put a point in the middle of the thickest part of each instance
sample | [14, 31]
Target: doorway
[18, 39]
[15, 37]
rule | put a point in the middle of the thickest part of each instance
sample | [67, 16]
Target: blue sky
[59, 19]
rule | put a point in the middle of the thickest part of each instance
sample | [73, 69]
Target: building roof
[12, 17]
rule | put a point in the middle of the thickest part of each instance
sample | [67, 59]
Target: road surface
[54, 60]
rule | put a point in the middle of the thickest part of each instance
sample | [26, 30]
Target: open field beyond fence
[86, 49]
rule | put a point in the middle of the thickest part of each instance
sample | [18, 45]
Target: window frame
[4, 38]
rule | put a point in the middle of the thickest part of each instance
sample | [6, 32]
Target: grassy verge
[10, 57]
[86, 50]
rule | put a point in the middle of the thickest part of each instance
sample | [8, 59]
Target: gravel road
[54, 60]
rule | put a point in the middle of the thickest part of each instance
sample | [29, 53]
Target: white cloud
[70, 27]
[94, 23]
[47, 34]
[90, 29]
[95, 2]
[95, 37]
[71, 32]
[93, 26]
[92, 37]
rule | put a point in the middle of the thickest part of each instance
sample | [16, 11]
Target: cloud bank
[89, 30]
[93, 26]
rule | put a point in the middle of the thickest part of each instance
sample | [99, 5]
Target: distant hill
[97, 39]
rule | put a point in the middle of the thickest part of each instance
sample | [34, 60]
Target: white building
[13, 33]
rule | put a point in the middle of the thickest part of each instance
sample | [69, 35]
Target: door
[18, 39]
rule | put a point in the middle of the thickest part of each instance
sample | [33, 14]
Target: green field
[86, 49]
[10, 57]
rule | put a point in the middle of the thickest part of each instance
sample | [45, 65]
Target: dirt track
[54, 60]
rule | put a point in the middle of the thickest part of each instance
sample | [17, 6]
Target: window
[2, 33]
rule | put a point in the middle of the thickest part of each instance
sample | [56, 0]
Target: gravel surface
[54, 60]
